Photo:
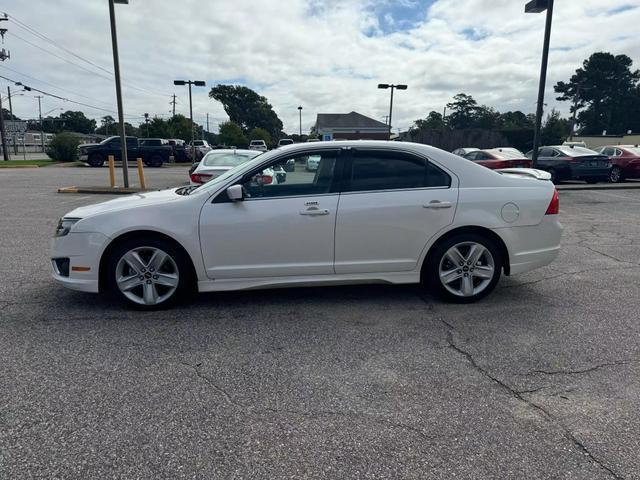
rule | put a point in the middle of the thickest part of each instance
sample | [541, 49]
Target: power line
[41, 36]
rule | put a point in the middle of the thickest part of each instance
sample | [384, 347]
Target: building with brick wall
[349, 126]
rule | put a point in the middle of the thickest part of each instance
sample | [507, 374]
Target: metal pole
[116, 70]
[541, 87]
[41, 127]
[391, 109]
[5, 152]
[10, 106]
[193, 147]
[207, 122]
[300, 112]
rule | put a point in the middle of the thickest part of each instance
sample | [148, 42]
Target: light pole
[197, 83]
[116, 71]
[300, 113]
[537, 6]
[392, 87]
[146, 122]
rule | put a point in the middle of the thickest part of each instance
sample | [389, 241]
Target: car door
[391, 204]
[284, 226]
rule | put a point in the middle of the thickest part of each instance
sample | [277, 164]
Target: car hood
[84, 145]
[126, 202]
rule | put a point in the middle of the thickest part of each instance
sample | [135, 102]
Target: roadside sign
[12, 127]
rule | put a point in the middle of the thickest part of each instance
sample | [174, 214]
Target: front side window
[393, 170]
[276, 181]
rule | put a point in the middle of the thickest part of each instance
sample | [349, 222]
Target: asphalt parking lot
[540, 380]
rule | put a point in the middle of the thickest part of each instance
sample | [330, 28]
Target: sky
[324, 55]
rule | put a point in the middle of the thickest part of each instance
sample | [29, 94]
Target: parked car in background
[573, 163]
[496, 158]
[217, 162]
[285, 141]
[310, 140]
[574, 144]
[201, 148]
[464, 150]
[311, 165]
[179, 150]
[375, 212]
[625, 161]
[259, 145]
[153, 154]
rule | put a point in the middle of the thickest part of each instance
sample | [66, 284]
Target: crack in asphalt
[543, 412]
[579, 371]
[607, 255]
[552, 277]
[209, 381]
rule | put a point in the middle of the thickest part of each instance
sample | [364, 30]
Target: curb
[20, 166]
[628, 186]
[101, 190]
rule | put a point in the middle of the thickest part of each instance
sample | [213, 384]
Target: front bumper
[83, 251]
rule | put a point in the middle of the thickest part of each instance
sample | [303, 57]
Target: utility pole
[146, 122]
[116, 71]
[386, 119]
[5, 152]
[10, 106]
[197, 83]
[173, 103]
[207, 122]
[39, 97]
[300, 112]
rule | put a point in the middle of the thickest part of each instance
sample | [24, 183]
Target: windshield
[576, 151]
[227, 159]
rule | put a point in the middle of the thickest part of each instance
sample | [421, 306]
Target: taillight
[499, 164]
[554, 205]
[200, 177]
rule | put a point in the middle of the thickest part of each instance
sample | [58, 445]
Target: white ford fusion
[383, 212]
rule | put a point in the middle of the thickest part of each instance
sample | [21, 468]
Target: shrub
[63, 147]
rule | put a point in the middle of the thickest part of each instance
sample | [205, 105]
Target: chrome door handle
[313, 212]
[437, 204]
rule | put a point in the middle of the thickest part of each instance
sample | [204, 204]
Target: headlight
[64, 226]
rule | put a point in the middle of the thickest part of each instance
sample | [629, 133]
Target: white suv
[258, 145]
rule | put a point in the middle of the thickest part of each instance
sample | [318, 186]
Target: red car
[625, 161]
[496, 158]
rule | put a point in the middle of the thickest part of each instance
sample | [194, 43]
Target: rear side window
[393, 170]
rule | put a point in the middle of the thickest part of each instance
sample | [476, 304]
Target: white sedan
[372, 212]
[217, 162]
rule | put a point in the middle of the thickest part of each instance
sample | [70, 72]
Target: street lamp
[392, 87]
[197, 83]
[300, 112]
[116, 71]
[146, 121]
[537, 6]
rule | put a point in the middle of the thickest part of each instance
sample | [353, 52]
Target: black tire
[431, 273]
[156, 161]
[615, 175]
[95, 160]
[186, 280]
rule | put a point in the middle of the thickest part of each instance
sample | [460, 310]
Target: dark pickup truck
[153, 154]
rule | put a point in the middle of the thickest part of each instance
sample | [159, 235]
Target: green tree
[515, 121]
[605, 92]
[7, 115]
[230, 134]
[260, 134]
[555, 129]
[486, 118]
[158, 128]
[63, 147]
[75, 122]
[463, 111]
[434, 121]
[180, 127]
[107, 125]
[247, 109]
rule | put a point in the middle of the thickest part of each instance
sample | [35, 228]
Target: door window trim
[334, 189]
[348, 169]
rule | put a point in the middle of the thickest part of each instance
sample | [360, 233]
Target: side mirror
[235, 193]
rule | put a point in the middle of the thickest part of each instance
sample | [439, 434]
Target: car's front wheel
[464, 268]
[149, 273]
[95, 160]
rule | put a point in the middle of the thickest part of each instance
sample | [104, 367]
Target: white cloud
[326, 55]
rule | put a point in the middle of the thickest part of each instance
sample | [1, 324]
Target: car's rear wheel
[615, 175]
[464, 268]
[149, 273]
[95, 160]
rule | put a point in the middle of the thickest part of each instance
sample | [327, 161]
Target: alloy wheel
[615, 175]
[466, 269]
[147, 275]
